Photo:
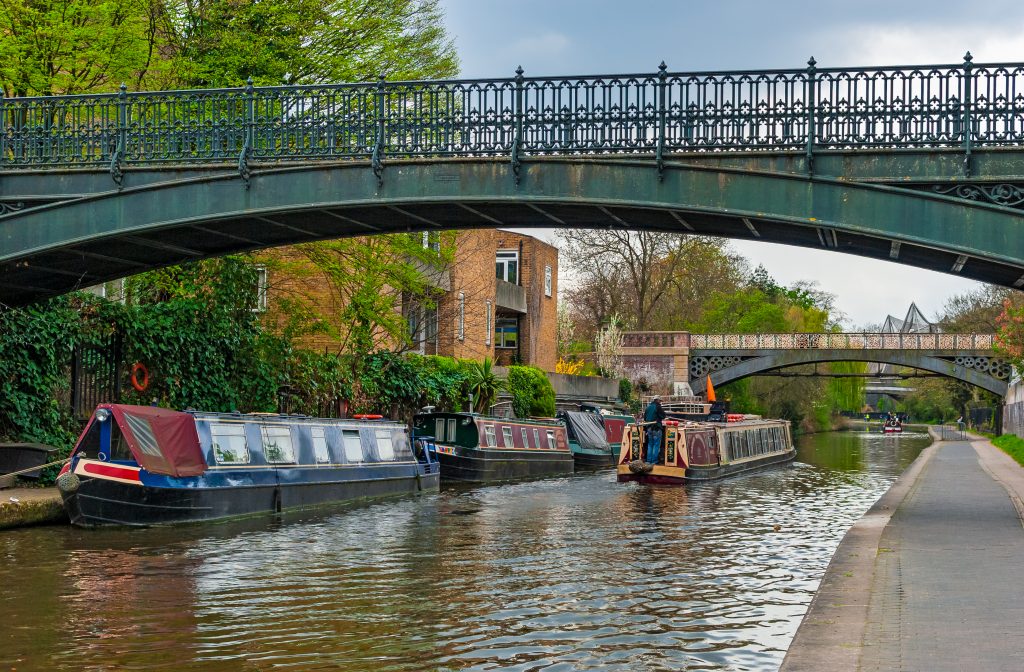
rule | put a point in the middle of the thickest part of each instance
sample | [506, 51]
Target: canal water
[579, 573]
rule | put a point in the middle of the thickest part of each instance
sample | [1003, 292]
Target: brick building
[498, 299]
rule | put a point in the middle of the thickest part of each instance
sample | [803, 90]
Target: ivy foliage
[532, 392]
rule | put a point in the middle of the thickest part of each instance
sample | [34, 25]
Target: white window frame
[501, 343]
[281, 438]
[261, 289]
[489, 331]
[492, 441]
[547, 281]
[451, 430]
[218, 430]
[551, 439]
[503, 257]
[506, 434]
[385, 445]
[320, 447]
[536, 438]
[347, 434]
[462, 316]
[526, 440]
[439, 429]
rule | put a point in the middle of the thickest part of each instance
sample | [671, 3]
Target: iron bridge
[730, 357]
[920, 165]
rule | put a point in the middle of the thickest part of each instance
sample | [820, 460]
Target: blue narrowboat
[140, 465]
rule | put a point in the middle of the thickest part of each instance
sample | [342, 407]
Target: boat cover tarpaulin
[162, 441]
[587, 429]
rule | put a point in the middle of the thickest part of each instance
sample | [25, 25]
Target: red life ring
[140, 385]
[367, 416]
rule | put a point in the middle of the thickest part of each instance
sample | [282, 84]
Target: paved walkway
[933, 579]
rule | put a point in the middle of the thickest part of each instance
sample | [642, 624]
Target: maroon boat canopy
[162, 441]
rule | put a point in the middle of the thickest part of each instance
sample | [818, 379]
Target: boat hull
[665, 476]
[98, 502]
[589, 461]
[481, 465]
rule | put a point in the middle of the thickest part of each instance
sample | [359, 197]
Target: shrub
[532, 392]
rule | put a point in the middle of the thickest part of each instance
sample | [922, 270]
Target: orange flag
[711, 390]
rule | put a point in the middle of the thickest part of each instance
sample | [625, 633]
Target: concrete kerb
[831, 634]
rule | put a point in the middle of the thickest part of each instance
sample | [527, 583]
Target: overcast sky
[556, 37]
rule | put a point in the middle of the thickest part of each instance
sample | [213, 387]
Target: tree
[53, 47]
[222, 42]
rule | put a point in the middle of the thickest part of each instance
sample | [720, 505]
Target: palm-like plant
[484, 385]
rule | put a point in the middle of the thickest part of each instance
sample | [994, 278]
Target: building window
[487, 331]
[506, 332]
[547, 281]
[506, 265]
[462, 316]
[432, 241]
[261, 289]
[430, 324]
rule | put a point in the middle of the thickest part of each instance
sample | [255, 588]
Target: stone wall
[1013, 408]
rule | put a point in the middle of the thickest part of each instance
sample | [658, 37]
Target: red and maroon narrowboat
[141, 465]
[701, 451]
[480, 448]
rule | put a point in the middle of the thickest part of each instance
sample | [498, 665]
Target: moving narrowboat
[701, 451]
[478, 448]
[141, 465]
[588, 440]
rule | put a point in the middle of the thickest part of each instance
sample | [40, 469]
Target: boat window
[489, 432]
[229, 444]
[439, 429]
[506, 434]
[119, 445]
[451, 430]
[536, 438]
[526, 441]
[551, 439]
[353, 446]
[320, 450]
[277, 444]
[385, 448]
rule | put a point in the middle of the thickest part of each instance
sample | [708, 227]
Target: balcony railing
[960, 105]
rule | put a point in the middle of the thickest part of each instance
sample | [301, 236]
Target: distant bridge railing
[961, 105]
[830, 341]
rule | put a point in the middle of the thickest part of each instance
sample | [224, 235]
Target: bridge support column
[659, 358]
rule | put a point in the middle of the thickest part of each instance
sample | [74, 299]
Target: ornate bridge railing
[961, 105]
[829, 341]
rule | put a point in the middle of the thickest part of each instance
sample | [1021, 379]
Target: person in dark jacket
[654, 415]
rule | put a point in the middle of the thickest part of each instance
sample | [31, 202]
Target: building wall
[472, 275]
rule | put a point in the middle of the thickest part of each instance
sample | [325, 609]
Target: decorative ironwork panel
[58, 131]
[741, 110]
[890, 107]
[840, 341]
[997, 111]
[192, 126]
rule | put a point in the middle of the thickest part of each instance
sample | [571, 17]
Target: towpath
[930, 578]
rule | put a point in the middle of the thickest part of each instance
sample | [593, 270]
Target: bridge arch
[56, 248]
[781, 359]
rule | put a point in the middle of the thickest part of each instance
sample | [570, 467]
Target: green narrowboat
[479, 448]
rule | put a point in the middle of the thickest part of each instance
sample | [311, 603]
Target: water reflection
[572, 573]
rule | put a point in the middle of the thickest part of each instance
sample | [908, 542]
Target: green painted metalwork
[964, 106]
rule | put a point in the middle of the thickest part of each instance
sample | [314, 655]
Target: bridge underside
[978, 369]
[58, 247]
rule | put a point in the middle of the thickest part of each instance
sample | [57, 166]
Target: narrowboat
[701, 451]
[141, 465]
[478, 448]
[588, 440]
[893, 426]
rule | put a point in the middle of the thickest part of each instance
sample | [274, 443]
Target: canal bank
[22, 507]
[926, 579]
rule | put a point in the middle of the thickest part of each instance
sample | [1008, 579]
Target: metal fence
[852, 341]
[952, 433]
[960, 105]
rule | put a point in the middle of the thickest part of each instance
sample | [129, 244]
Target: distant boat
[588, 440]
[480, 448]
[140, 465]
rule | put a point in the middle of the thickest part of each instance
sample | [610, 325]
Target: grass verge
[1012, 445]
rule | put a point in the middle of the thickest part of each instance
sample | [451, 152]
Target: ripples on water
[577, 573]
